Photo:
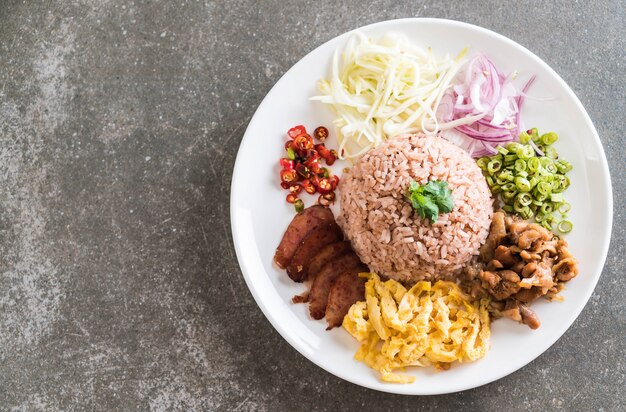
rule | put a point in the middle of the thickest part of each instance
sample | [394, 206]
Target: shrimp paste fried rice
[385, 231]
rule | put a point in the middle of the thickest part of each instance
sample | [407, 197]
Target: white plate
[260, 215]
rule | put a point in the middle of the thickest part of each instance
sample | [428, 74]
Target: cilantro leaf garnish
[431, 199]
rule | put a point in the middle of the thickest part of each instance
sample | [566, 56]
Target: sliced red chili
[291, 198]
[313, 163]
[312, 157]
[296, 131]
[326, 199]
[295, 189]
[308, 187]
[330, 159]
[303, 170]
[324, 186]
[315, 180]
[323, 172]
[334, 181]
[322, 150]
[289, 144]
[303, 142]
[287, 164]
[317, 168]
[321, 133]
[288, 176]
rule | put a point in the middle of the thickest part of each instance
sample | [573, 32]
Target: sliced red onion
[481, 89]
[537, 149]
[487, 123]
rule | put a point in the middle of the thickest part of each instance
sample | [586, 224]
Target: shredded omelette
[428, 324]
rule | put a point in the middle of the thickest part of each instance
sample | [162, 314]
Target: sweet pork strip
[325, 255]
[318, 295]
[300, 226]
[312, 243]
[347, 289]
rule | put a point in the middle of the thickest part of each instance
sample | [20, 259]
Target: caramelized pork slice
[325, 255]
[566, 269]
[347, 289]
[504, 255]
[529, 317]
[312, 243]
[497, 232]
[501, 284]
[300, 226]
[520, 312]
[320, 289]
[531, 235]
[528, 295]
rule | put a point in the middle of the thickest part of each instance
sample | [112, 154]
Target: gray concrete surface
[119, 126]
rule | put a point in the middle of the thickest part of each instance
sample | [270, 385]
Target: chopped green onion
[526, 152]
[291, 154]
[544, 188]
[507, 195]
[494, 165]
[549, 138]
[482, 163]
[530, 185]
[565, 226]
[556, 198]
[508, 187]
[524, 199]
[298, 205]
[520, 165]
[522, 184]
[524, 137]
[551, 152]
[502, 150]
[563, 166]
[510, 159]
[541, 197]
[513, 147]
[533, 164]
[518, 207]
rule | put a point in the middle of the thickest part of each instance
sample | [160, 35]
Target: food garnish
[302, 168]
[529, 178]
[383, 88]
[519, 263]
[485, 107]
[427, 324]
[431, 199]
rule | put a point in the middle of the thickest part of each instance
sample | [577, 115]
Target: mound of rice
[382, 226]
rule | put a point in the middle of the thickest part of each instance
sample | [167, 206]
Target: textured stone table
[119, 126]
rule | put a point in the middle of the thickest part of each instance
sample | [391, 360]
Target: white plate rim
[407, 389]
